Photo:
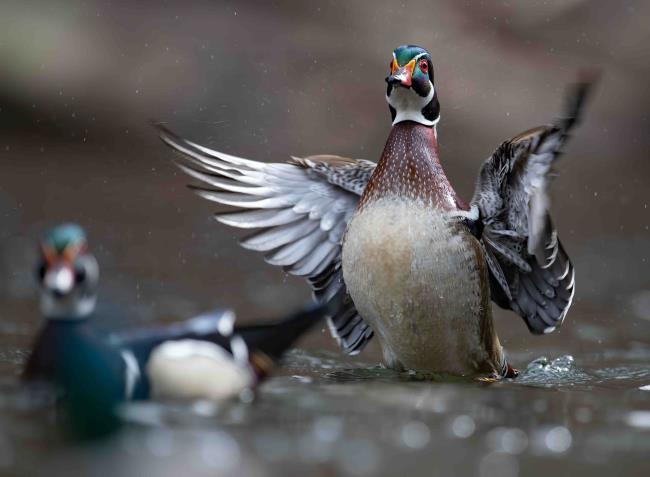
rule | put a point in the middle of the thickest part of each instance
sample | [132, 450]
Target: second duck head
[68, 274]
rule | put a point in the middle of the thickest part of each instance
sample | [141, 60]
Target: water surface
[322, 414]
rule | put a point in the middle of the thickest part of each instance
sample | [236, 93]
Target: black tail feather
[275, 338]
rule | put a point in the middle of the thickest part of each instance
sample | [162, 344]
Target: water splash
[561, 371]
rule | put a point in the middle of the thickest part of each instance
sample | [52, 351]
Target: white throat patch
[408, 105]
[72, 307]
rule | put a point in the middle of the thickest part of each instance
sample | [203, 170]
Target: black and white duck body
[206, 357]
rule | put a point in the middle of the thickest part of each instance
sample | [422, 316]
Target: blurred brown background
[80, 81]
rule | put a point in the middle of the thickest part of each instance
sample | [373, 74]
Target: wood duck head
[67, 273]
[411, 93]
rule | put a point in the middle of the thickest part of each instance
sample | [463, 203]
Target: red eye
[424, 66]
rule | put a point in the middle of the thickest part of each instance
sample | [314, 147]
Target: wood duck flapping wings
[301, 208]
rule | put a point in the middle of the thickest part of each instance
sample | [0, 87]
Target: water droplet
[639, 419]
[415, 434]
[558, 439]
[328, 428]
[509, 440]
[463, 426]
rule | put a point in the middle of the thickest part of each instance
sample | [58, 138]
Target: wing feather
[275, 237]
[298, 249]
[312, 263]
[258, 218]
[530, 272]
[245, 200]
[301, 209]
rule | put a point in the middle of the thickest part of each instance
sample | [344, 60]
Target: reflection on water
[324, 416]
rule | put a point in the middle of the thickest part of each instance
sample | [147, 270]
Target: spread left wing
[530, 272]
[301, 208]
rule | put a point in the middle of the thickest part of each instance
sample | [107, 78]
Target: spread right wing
[530, 271]
[301, 208]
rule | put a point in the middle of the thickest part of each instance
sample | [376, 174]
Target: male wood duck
[202, 358]
[410, 261]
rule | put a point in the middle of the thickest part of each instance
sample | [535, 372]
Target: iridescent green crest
[62, 236]
[405, 53]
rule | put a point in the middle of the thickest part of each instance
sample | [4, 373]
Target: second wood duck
[206, 357]
[410, 261]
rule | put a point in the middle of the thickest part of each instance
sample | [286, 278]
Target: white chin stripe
[408, 105]
[70, 307]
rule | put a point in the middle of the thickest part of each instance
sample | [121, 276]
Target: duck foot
[511, 372]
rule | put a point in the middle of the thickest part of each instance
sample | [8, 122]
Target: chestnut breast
[410, 169]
